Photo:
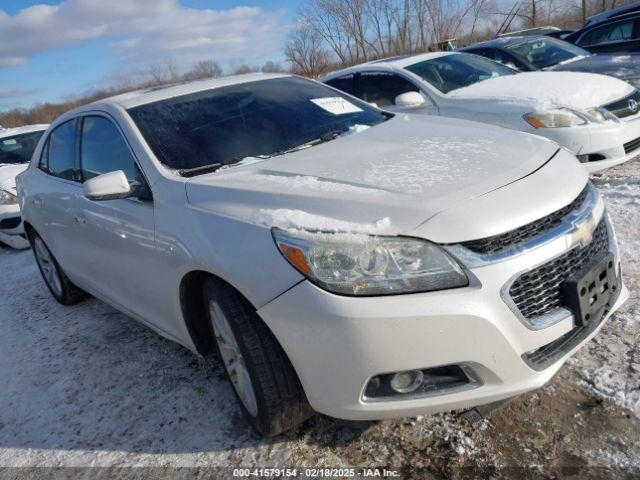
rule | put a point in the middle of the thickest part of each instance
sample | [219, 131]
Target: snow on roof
[9, 132]
[150, 95]
[547, 90]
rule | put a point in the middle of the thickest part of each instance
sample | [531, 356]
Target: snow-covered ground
[87, 386]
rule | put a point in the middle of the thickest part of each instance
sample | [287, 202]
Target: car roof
[502, 42]
[9, 132]
[398, 62]
[155, 94]
[613, 13]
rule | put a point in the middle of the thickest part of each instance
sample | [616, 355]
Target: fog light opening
[430, 381]
[406, 382]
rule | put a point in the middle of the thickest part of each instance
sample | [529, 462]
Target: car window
[546, 52]
[450, 72]
[247, 121]
[382, 88]
[61, 151]
[346, 83]
[18, 148]
[614, 32]
[104, 150]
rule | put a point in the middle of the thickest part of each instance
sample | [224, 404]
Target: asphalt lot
[87, 386]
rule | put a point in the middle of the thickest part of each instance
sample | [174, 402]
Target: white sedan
[16, 147]
[334, 255]
[595, 117]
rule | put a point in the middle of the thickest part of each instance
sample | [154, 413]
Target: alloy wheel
[232, 358]
[48, 266]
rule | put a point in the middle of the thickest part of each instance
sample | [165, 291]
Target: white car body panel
[135, 254]
[507, 109]
[8, 172]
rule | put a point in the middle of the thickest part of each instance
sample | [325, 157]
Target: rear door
[54, 205]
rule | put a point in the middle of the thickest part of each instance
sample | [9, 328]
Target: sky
[51, 50]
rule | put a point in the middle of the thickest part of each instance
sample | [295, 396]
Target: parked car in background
[366, 264]
[16, 147]
[613, 13]
[619, 34]
[593, 116]
[549, 54]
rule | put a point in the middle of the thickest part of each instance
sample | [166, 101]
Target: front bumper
[606, 140]
[336, 344]
[12, 228]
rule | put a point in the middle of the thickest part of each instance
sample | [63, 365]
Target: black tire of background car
[282, 403]
[71, 294]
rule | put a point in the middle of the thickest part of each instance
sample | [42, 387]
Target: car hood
[8, 173]
[624, 67]
[386, 179]
[540, 91]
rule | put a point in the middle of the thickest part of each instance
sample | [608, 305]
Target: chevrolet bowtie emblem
[633, 105]
[583, 232]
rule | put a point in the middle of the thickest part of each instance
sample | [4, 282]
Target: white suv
[338, 258]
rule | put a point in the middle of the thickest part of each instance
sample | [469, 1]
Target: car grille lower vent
[621, 108]
[539, 291]
[632, 146]
[504, 241]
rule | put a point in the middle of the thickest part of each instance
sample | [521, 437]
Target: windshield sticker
[336, 105]
[11, 141]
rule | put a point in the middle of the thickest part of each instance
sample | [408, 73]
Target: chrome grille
[513, 238]
[539, 291]
[621, 108]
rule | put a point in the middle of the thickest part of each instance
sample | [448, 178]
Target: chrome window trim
[571, 226]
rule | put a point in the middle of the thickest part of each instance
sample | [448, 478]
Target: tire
[62, 289]
[273, 400]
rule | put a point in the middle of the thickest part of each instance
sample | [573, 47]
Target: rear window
[228, 124]
[18, 148]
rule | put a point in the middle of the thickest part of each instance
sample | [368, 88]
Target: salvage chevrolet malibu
[337, 257]
[595, 117]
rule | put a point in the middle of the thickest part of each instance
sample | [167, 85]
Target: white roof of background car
[10, 132]
[155, 94]
[390, 63]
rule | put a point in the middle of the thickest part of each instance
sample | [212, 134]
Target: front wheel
[262, 376]
[62, 289]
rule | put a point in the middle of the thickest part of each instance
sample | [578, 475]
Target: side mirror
[512, 66]
[108, 186]
[409, 100]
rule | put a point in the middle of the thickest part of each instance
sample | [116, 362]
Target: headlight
[555, 119]
[350, 264]
[601, 115]
[7, 198]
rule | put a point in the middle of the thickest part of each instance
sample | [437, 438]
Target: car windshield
[248, 121]
[18, 148]
[547, 52]
[451, 72]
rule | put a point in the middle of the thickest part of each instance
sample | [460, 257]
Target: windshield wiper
[327, 137]
[192, 172]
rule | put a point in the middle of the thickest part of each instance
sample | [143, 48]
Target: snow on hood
[387, 179]
[547, 90]
[8, 173]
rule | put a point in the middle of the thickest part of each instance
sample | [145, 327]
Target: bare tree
[162, 73]
[204, 69]
[304, 51]
[272, 67]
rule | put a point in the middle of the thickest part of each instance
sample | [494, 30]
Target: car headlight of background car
[558, 118]
[354, 264]
[7, 198]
